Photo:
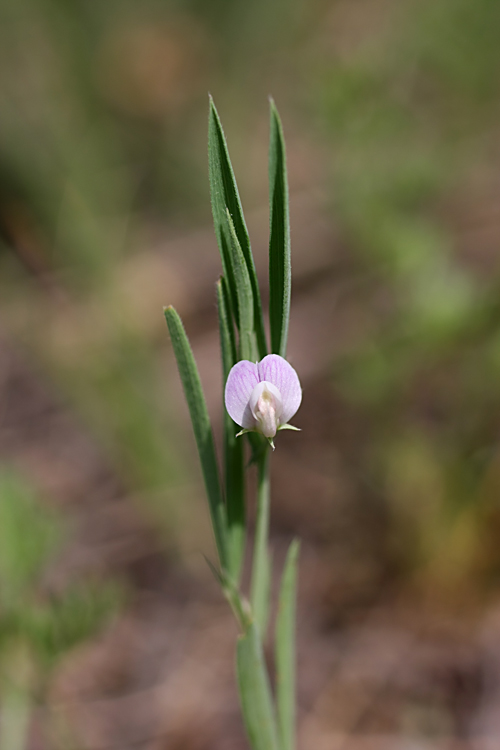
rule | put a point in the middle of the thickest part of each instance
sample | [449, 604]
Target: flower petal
[241, 381]
[266, 407]
[280, 373]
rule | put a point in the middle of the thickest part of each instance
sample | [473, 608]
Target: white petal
[266, 406]
[281, 374]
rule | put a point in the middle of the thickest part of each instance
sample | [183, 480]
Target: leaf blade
[224, 195]
[202, 428]
[255, 691]
[234, 469]
[280, 272]
[285, 650]
[244, 295]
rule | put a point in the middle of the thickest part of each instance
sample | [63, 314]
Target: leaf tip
[213, 108]
[294, 549]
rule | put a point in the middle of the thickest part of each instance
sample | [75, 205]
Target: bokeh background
[112, 631]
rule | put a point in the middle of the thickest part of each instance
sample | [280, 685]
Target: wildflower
[262, 397]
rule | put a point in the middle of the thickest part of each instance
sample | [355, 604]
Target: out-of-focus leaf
[255, 692]
[28, 535]
[201, 426]
[244, 295]
[234, 470]
[285, 650]
[280, 272]
[60, 624]
[224, 196]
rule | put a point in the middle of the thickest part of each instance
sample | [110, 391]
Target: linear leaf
[224, 195]
[234, 469]
[280, 273]
[244, 295]
[255, 692]
[226, 330]
[285, 650]
[201, 426]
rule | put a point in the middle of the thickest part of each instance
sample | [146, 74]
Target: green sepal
[243, 432]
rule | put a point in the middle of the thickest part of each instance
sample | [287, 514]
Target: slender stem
[261, 564]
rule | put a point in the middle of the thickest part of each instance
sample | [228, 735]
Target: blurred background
[112, 631]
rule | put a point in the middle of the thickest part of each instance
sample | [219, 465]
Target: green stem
[261, 564]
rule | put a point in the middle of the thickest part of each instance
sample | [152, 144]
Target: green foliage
[255, 691]
[412, 113]
[225, 198]
[28, 536]
[60, 623]
[280, 269]
[244, 297]
[285, 650]
[234, 471]
[261, 566]
[239, 305]
[44, 625]
[202, 428]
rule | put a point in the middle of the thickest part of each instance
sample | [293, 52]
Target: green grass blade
[280, 273]
[201, 426]
[244, 295]
[234, 469]
[224, 195]
[255, 692]
[285, 650]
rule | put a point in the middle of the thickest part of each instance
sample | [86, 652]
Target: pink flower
[262, 397]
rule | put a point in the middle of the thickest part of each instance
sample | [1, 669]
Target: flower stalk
[261, 564]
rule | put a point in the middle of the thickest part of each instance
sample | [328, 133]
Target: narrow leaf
[224, 195]
[280, 274]
[226, 330]
[285, 650]
[234, 469]
[201, 426]
[255, 692]
[244, 295]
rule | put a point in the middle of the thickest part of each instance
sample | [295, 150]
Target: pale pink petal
[281, 374]
[241, 381]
